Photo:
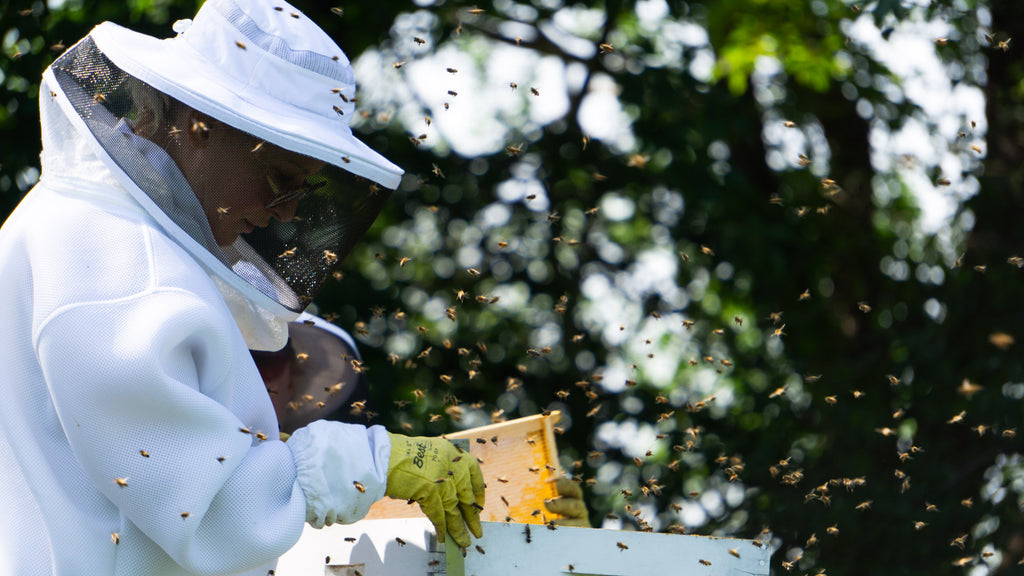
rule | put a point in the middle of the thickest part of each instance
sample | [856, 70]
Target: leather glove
[569, 504]
[445, 481]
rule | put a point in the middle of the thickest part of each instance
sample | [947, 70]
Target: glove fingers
[457, 528]
[471, 514]
[453, 517]
[476, 480]
[463, 489]
[568, 488]
[434, 510]
[467, 493]
[568, 507]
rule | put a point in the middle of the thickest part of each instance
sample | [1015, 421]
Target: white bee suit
[136, 435]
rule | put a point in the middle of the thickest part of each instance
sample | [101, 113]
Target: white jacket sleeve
[337, 491]
[162, 408]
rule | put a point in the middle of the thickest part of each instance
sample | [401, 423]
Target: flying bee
[957, 418]
[240, 45]
[605, 48]
[706, 563]
[513, 86]
[398, 65]
[1005, 44]
[534, 91]
[288, 253]
[330, 257]
[122, 482]
[359, 486]
[115, 538]
[451, 70]
[418, 40]
[453, 93]
[789, 124]
[803, 160]
[622, 546]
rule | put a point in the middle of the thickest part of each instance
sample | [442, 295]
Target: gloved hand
[569, 504]
[445, 481]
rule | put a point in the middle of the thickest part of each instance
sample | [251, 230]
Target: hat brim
[177, 70]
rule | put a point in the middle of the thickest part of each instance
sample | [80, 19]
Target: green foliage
[766, 346]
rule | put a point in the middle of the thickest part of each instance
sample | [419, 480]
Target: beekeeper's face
[240, 181]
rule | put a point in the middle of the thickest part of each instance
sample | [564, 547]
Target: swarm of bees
[683, 418]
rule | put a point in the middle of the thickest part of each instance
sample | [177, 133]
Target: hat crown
[277, 21]
[271, 47]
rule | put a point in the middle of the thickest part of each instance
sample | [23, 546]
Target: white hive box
[407, 546]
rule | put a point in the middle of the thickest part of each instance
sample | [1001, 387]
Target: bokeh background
[763, 255]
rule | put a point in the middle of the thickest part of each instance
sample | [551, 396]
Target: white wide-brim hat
[260, 66]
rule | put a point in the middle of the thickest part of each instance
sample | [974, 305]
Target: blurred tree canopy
[702, 230]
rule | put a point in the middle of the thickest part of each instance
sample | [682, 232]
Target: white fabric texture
[136, 436]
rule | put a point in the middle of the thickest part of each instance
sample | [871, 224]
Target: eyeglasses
[293, 195]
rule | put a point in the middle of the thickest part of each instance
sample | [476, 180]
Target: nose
[285, 211]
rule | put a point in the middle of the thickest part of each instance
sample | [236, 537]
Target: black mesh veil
[278, 219]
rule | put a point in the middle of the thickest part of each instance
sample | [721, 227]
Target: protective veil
[180, 219]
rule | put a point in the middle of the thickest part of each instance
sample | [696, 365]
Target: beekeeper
[195, 194]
